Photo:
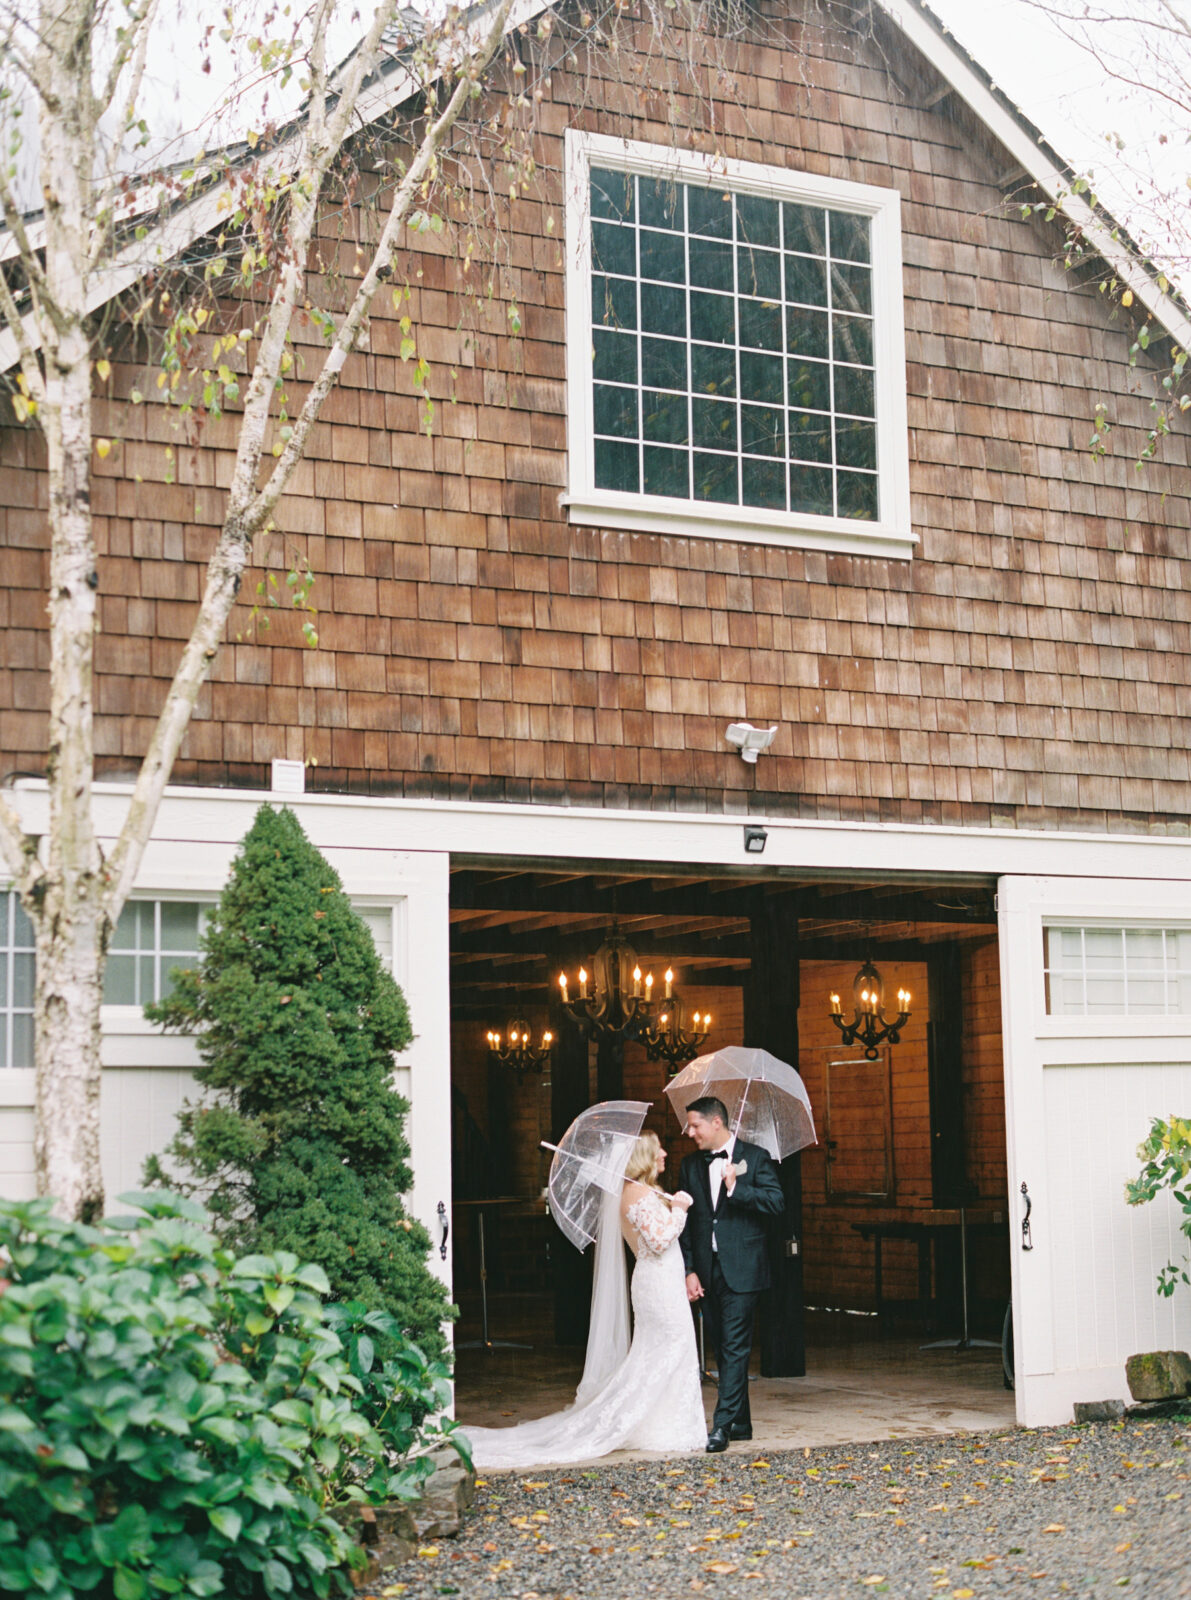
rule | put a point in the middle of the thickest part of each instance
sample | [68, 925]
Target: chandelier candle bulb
[562, 984]
[669, 980]
[583, 983]
[637, 982]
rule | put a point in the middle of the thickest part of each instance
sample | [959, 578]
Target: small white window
[736, 351]
[150, 939]
[16, 983]
[1099, 972]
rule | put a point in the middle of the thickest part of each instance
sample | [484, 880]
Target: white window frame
[890, 537]
[1135, 1026]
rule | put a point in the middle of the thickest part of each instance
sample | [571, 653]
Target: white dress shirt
[715, 1177]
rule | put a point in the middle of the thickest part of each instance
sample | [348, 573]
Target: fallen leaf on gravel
[1037, 1574]
[962, 1594]
[532, 1483]
[489, 1547]
[1121, 1548]
[758, 1463]
[939, 1507]
[1055, 1527]
[630, 1522]
[1118, 1508]
[722, 1567]
[429, 1551]
[394, 1589]
[877, 1577]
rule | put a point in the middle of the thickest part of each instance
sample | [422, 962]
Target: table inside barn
[925, 1227]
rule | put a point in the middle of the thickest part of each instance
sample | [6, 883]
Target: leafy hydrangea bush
[177, 1421]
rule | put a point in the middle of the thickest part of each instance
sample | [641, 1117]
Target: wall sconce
[754, 840]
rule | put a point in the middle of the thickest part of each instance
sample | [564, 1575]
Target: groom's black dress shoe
[740, 1430]
[717, 1440]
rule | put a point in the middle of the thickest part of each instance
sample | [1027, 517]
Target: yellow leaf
[1055, 1527]
[722, 1567]
[758, 1463]
[429, 1551]
[103, 448]
[1127, 298]
[962, 1594]
[877, 1577]
[527, 1483]
[1121, 1548]
[393, 1589]
[104, 369]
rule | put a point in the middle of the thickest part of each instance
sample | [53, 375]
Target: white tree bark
[72, 895]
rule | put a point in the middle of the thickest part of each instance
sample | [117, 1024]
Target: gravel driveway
[1045, 1512]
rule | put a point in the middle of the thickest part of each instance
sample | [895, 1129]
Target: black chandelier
[869, 1024]
[517, 1049]
[617, 1001]
[669, 1040]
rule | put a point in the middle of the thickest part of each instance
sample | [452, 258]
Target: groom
[736, 1189]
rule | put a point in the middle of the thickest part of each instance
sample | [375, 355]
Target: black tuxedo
[737, 1270]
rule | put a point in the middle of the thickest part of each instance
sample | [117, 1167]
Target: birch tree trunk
[69, 916]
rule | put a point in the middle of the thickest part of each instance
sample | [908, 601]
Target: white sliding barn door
[1090, 1058]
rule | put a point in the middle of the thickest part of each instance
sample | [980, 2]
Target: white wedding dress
[651, 1398]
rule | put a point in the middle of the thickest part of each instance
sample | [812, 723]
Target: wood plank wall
[1030, 666]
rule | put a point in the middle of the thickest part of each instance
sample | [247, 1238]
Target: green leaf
[226, 1521]
[129, 1585]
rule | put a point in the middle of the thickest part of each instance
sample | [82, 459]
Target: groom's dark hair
[708, 1106]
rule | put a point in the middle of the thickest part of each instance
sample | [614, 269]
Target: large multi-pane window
[1094, 971]
[734, 354]
[150, 939]
[16, 984]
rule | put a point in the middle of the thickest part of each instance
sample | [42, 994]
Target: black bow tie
[714, 1155]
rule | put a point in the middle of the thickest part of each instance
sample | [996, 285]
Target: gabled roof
[961, 74]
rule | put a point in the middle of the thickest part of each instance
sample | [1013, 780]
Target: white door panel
[1079, 1100]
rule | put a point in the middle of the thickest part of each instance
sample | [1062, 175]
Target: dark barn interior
[905, 1141]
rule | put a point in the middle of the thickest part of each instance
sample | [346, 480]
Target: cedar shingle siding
[1028, 667]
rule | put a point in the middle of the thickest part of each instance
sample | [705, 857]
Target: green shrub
[177, 1421]
[300, 1142]
[1166, 1164]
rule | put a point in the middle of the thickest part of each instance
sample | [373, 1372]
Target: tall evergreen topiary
[299, 1142]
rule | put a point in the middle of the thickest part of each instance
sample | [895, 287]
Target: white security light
[754, 839]
[750, 741]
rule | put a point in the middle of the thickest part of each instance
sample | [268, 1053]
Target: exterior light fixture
[516, 1048]
[670, 1041]
[754, 840]
[617, 1001]
[869, 1024]
[750, 741]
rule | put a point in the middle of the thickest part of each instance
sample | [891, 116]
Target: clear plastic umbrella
[589, 1162]
[765, 1099]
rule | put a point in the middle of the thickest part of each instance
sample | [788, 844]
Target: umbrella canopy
[589, 1162]
[766, 1100]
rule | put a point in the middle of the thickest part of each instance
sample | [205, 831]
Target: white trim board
[405, 828]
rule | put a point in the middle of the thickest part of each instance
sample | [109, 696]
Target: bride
[640, 1396]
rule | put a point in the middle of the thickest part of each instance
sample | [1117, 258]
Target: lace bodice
[652, 1399]
[656, 1224]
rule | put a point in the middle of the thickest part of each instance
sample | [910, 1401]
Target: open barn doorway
[895, 1235]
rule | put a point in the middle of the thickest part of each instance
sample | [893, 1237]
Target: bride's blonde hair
[642, 1162]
